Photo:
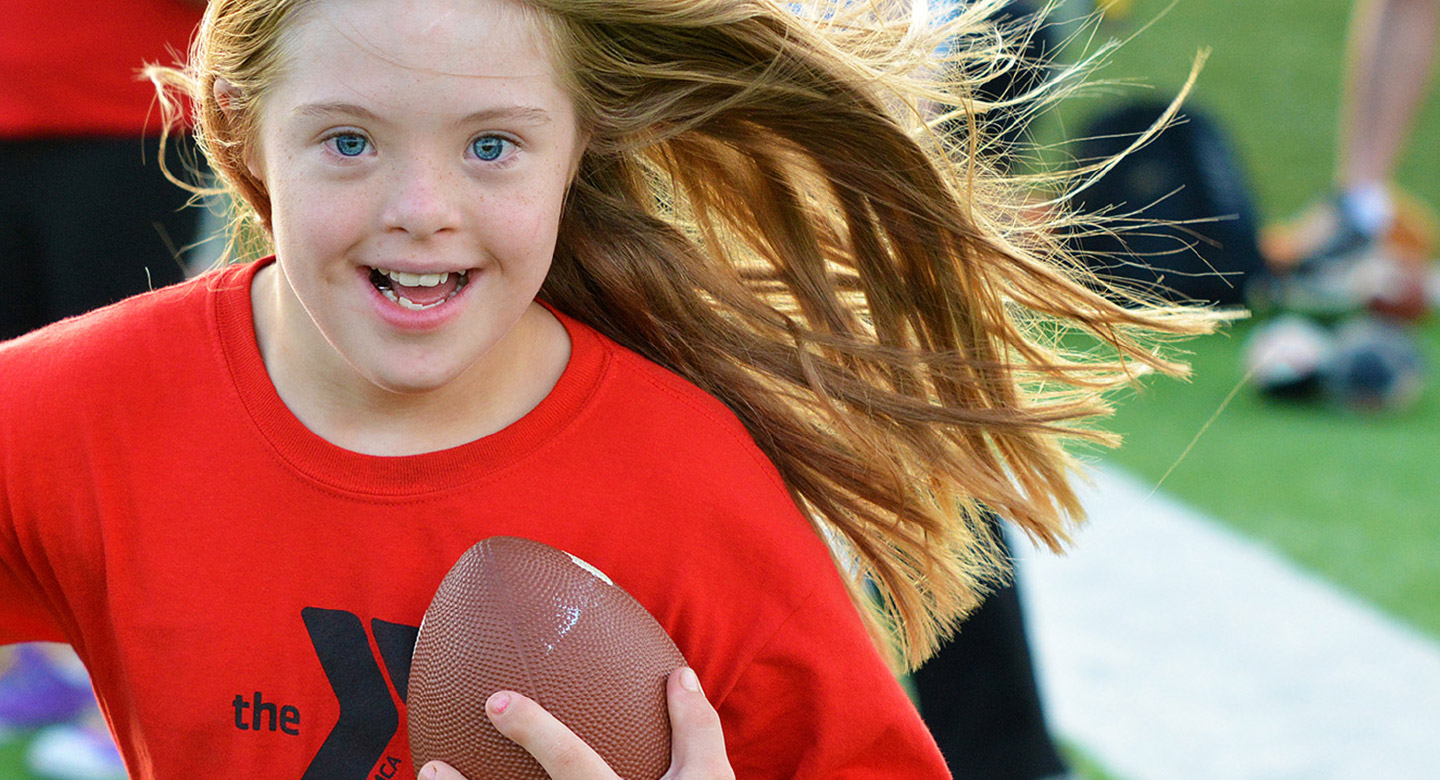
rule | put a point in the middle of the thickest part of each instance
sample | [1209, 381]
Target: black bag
[1199, 240]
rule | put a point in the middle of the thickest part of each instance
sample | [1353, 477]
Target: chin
[414, 385]
[410, 380]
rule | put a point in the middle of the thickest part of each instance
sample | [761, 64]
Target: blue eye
[488, 147]
[350, 144]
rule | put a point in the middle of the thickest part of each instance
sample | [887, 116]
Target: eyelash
[332, 142]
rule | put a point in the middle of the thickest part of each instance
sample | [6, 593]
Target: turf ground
[1352, 498]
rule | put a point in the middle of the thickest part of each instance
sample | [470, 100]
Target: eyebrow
[527, 114]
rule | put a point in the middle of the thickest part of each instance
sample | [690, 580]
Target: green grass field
[1351, 497]
[1355, 499]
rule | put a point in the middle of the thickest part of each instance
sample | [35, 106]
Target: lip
[414, 321]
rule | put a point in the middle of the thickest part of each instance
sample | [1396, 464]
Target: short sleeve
[818, 701]
[25, 613]
[23, 617]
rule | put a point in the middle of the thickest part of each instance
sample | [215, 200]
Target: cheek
[528, 225]
[307, 219]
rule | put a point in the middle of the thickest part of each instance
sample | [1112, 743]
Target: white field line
[1171, 648]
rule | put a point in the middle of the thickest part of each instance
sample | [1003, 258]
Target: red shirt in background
[71, 67]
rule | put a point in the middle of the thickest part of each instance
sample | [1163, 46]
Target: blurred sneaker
[37, 690]
[1352, 252]
[1342, 225]
[75, 751]
[1321, 264]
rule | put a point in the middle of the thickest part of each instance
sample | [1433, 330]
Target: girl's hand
[697, 746]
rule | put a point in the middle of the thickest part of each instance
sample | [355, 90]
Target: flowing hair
[767, 208]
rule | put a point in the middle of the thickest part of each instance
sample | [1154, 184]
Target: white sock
[1368, 207]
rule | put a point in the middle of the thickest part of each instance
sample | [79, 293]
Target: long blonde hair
[765, 209]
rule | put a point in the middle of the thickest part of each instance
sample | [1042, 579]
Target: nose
[423, 201]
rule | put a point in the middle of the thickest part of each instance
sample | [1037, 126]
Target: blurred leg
[1391, 51]
[108, 223]
[1392, 46]
[979, 697]
[22, 297]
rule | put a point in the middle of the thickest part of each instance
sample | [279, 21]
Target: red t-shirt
[69, 67]
[246, 594]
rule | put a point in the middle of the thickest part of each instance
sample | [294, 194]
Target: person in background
[87, 217]
[1391, 52]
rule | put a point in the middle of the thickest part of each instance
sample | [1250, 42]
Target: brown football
[514, 614]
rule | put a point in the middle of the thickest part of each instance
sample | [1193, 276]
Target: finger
[563, 755]
[439, 770]
[697, 743]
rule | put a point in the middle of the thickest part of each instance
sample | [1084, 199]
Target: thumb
[697, 741]
[439, 770]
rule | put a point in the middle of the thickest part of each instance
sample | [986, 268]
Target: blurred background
[1272, 610]
[1353, 497]
[1258, 595]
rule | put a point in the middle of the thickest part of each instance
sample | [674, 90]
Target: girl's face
[417, 155]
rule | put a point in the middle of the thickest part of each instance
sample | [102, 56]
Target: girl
[683, 287]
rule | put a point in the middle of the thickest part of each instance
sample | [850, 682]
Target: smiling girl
[683, 287]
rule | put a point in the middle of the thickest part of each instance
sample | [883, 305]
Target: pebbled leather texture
[515, 614]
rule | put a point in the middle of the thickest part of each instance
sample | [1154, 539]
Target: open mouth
[418, 292]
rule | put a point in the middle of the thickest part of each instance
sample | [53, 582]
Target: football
[515, 614]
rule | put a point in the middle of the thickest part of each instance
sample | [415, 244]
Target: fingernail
[429, 772]
[497, 703]
[689, 681]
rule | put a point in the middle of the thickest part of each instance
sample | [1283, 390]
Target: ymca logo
[368, 718]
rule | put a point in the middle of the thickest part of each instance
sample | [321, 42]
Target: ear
[582, 145]
[227, 95]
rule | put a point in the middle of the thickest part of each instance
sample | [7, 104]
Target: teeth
[419, 280]
[406, 303]
[415, 280]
